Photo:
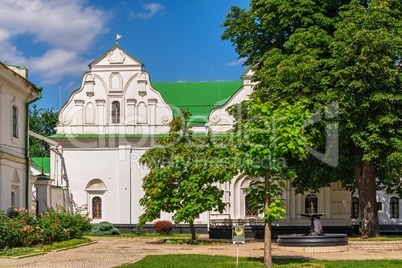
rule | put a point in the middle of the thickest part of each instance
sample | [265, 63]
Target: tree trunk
[365, 178]
[267, 227]
[192, 231]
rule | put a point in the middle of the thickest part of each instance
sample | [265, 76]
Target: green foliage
[163, 227]
[139, 230]
[266, 136]
[184, 173]
[104, 228]
[59, 225]
[22, 229]
[43, 122]
[9, 231]
[323, 52]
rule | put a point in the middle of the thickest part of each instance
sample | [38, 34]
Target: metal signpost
[238, 237]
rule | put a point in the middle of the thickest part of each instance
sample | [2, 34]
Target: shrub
[12, 213]
[163, 227]
[53, 230]
[60, 225]
[139, 230]
[18, 227]
[10, 231]
[104, 228]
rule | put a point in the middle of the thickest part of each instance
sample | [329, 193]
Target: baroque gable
[219, 118]
[115, 97]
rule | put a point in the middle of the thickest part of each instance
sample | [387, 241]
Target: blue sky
[176, 40]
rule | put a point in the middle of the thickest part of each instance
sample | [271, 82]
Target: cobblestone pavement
[111, 252]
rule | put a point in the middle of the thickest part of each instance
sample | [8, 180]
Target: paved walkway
[111, 252]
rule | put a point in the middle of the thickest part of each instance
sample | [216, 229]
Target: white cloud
[56, 63]
[150, 10]
[236, 62]
[63, 29]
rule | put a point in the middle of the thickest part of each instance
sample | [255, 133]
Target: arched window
[394, 207]
[250, 210]
[97, 208]
[310, 203]
[115, 112]
[15, 122]
[354, 210]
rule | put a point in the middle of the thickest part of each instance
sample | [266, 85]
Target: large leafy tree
[184, 174]
[265, 137]
[41, 121]
[345, 53]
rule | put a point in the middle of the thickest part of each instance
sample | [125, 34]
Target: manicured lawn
[194, 261]
[378, 238]
[72, 243]
[206, 261]
[147, 235]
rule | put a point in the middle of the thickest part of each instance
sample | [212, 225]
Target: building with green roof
[197, 97]
[116, 114]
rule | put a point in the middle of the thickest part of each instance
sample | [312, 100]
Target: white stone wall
[384, 212]
[15, 91]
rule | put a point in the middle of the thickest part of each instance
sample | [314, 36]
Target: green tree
[342, 52]
[265, 137]
[41, 121]
[184, 174]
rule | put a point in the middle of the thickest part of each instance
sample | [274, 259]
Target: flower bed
[19, 227]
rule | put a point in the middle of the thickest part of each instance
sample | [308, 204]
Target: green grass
[206, 261]
[146, 235]
[194, 261]
[73, 243]
[16, 251]
[378, 238]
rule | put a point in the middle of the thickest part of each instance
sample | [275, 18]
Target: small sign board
[238, 234]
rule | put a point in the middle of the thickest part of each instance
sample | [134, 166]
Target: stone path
[111, 252]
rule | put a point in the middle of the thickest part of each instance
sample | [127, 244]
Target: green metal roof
[197, 97]
[41, 162]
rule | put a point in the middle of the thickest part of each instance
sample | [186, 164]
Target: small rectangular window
[115, 112]
[15, 122]
[394, 208]
[355, 208]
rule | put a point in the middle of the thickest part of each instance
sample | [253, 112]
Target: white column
[43, 197]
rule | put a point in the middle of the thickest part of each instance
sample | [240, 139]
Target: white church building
[117, 114]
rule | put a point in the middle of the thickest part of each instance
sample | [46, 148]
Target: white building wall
[15, 91]
[384, 213]
[86, 165]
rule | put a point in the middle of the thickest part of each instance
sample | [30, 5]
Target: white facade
[15, 94]
[102, 146]
[389, 211]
